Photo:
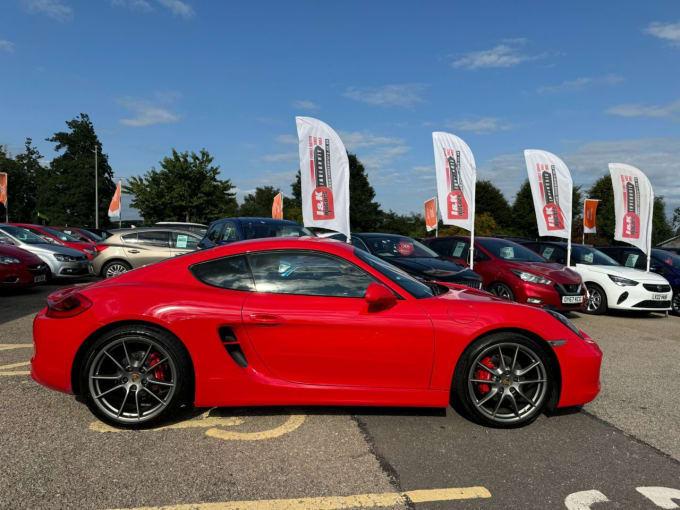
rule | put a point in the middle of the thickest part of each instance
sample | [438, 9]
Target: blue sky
[591, 82]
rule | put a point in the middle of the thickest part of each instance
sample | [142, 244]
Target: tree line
[187, 187]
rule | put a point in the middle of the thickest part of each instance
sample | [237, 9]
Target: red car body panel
[86, 248]
[499, 270]
[21, 274]
[306, 350]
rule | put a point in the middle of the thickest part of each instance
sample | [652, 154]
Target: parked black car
[664, 262]
[228, 230]
[414, 258]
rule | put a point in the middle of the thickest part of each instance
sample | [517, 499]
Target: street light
[96, 189]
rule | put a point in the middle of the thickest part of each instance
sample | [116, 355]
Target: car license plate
[659, 297]
[40, 278]
[572, 300]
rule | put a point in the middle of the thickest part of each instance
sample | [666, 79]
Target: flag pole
[436, 214]
[472, 231]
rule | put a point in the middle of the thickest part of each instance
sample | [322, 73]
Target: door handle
[267, 319]
[133, 251]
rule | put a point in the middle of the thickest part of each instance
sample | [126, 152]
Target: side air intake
[232, 345]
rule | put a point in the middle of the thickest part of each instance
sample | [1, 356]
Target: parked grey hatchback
[129, 248]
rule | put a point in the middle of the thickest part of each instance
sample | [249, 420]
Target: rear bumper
[580, 362]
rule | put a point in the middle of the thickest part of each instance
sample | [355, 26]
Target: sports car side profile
[304, 322]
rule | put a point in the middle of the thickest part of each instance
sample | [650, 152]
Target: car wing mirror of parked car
[655, 268]
[379, 297]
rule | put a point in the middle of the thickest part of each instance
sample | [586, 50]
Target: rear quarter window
[226, 273]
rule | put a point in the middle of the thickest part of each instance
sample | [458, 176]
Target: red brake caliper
[154, 358]
[484, 375]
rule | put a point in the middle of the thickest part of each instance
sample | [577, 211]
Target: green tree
[186, 188]
[32, 175]
[66, 192]
[661, 229]
[489, 199]
[259, 203]
[292, 206]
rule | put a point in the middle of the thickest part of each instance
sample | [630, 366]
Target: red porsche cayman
[304, 322]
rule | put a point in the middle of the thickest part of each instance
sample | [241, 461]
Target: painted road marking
[4, 368]
[661, 496]
[584, 499]
[337, 502]
[212, 422]
[7, 347]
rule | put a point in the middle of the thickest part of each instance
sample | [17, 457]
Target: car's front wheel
[504, 380]
[502, 290]
[675, 304]
[596, 304]
[135, 376]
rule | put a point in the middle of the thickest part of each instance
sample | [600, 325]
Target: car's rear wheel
[502, 290]
[135, 376]
[115, 267]
[596, 304]
[504, 380]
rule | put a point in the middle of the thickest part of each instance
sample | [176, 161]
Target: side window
[129, 238]
[5, 240]
[156, 238]
[184, 241]
[214, 232]
[443, 247]
[480, 256]
[227, 273]
[633, 259]
[307, 273]
[230, 233]
[460, 250]
[358, 243]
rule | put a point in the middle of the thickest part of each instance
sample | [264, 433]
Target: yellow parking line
[203, 421]
[4, 368]
[293, 422]
[14, 365]
[337, 502]
[7, 347]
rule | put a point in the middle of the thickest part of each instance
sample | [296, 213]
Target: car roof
[283, 243]
[158, 228]
[180, 223]
[377, 234]
[255, 218]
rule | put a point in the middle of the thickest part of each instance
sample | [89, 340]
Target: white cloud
[146, 113]
[480, 126]
[287, 139]
[52, 8]
[667, 31]
[305, 104]
[657, 157]
[281, 156]
[355, 140]
[580, 84]
[178, 8]
[503, 55]
[669, 111]
[7, 46]
[405, 94]
[135, 5]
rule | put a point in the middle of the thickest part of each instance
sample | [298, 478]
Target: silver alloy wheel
[515, 387]
[503, 291]
[594, 299]
[132, 379]
[115, 269]
[675, 303]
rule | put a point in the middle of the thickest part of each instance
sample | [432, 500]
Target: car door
[149, 247]
[183, 242]
[310, 324]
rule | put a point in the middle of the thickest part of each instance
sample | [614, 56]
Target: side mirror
[655, 268]
[377, 295]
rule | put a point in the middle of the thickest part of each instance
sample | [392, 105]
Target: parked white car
[610, 285]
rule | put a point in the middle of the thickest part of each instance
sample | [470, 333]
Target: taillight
[101, 247]
[66, 303]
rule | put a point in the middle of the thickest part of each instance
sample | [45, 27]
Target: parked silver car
[63, 262]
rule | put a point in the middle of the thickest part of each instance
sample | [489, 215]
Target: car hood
[555, 272]
[24, 256]
[433, 268]
[52, 248]
[626, 272]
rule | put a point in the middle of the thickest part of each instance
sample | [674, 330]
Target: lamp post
[96, 189]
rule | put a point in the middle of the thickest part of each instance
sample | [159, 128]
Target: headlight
[565, 321]
[8, 260]
[64, 258]
[530, 277]
[623, 282]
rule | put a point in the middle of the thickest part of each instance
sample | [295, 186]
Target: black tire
[502, 290]
[109, 266]
[596, 303]
[490, 403]
[171, 381]
[675, 303]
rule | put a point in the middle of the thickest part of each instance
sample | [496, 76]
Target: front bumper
[73, 269]
[580, 362]
[548, 296]
[22, 276]
[639, 298]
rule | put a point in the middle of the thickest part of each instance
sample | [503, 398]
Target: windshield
[414, 287]
[397, 246]
[667, 257]
[591, 257]
[91, 235]
[507, 250]
[258, 230]
[23, 235]
[62, 236]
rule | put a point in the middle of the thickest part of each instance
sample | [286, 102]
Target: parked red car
[19, 268]
[55, 236]
[511, 271]
[80, 234]
[302, 321]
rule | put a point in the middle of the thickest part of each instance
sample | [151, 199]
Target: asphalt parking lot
[621, 451]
